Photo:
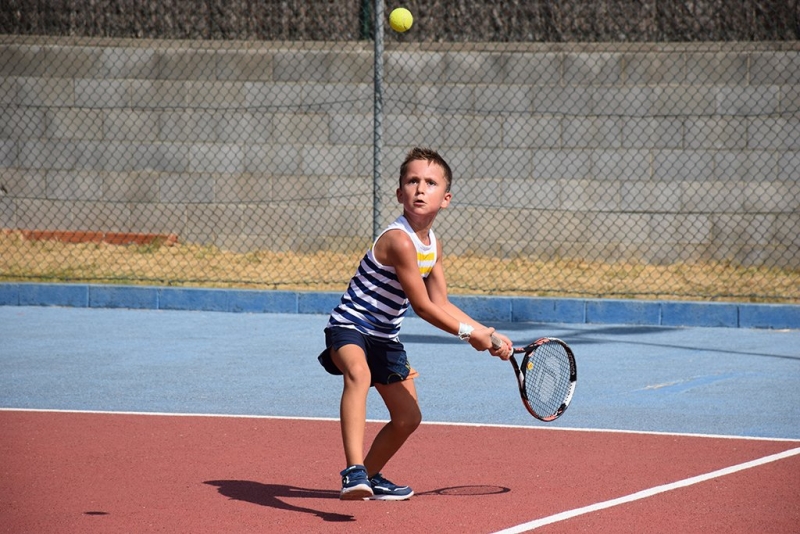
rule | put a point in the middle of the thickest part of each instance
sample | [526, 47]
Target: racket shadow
[465, 491]
[272, 495]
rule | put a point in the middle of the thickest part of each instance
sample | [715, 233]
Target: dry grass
[193, 265]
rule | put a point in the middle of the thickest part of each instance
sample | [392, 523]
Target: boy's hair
[429, 155]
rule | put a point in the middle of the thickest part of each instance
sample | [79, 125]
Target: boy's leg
[405, 416]
[350, 359]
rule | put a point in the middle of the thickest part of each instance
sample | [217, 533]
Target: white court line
[569, 514]
[428, 423]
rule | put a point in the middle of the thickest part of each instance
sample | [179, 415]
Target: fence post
[377, 133]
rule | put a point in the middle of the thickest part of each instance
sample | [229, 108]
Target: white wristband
[464, 331]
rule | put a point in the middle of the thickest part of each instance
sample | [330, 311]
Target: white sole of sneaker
[391, 497]
[356, 493]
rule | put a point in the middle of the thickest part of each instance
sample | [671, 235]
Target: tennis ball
[401, 19]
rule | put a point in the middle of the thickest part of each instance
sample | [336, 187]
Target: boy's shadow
[273, 495]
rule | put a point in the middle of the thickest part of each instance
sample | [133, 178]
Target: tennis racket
[546, 378]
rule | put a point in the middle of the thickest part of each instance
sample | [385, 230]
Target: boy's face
[423, 190]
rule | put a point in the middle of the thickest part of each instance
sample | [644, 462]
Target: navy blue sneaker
[384, 490]
[355, 484]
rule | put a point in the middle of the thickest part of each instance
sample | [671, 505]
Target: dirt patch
[166, 262]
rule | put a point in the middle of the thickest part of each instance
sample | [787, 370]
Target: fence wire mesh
[608, 169]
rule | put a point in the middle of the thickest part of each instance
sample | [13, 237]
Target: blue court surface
[720, 381]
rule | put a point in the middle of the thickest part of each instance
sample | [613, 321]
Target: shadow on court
[272, 495]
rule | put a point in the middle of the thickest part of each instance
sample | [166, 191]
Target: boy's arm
[396, 249]
[437, 290]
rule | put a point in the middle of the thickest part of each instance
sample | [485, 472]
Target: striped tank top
[374, 302]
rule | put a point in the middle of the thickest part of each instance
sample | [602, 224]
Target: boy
[402, 268]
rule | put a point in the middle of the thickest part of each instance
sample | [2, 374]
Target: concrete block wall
[658, 153]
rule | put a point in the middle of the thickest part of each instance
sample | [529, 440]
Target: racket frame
[528, 351]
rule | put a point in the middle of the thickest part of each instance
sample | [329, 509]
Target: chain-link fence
[634, 169]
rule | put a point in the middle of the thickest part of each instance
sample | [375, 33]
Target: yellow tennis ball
[401, 19]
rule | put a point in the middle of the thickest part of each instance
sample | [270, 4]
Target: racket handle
[496, 343]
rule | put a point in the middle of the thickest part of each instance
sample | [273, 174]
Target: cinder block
[407, 131]
[76, 296]
[592, 132]
[530, 132]
[317, 303]
[789, 166]
[716, 132]
[244, 65]
[275, 159]
[262, 301]
[344, 98]
[507, 163]
[274, 97]
[600, 68]
[562, 164]
[532, 69]
[46, 92]
[623, 312]
[78, 62]
[623, 165]
[774, 68]
[413, 67]
[9, 294]
[150, 94]
[683, 165]
[8, 208]
[623, 101]
[133, 297]
[74, 123]
[215, 95]
[130, 125]
[484, 308]
[17, 60]
[129, 63]
[186, 64]
[22, 123]
[652, 132]
[545, 310]
[716, 68]
[71, 185]
[712, 196]
[222, 158]
[50, 155]
[8, 154]
[590, 196]
[193, 299]
[684, 100]
[570, 101]
[777, 316]
[101, 93]
[638, 196]
[700, 314]
[654, 68]
[301, 128]
[679, 228]
[747, 101]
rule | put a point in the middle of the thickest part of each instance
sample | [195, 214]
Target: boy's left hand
[504, 352]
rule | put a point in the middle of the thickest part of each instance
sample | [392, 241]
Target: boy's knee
[358, 375]
[408, 422]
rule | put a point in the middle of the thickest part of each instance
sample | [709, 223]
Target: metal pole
[378, 121]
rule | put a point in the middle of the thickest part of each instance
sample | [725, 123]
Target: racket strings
[547, 379]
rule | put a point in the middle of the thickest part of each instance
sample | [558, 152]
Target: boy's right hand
[481, 339]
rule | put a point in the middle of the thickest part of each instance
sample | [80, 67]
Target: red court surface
[70, 472]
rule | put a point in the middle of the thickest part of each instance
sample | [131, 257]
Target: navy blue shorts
[387, 359]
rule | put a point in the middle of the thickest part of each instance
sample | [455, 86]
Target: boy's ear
[399, 194]
[446, 200]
